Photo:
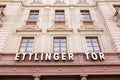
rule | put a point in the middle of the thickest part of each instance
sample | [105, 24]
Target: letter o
[94, 56]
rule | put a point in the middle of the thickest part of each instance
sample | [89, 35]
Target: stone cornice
[59, 5]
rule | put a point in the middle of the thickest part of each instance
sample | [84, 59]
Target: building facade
[59, 39]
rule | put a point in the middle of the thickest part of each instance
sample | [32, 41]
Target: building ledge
[29, 28]
[60, 28]
[89, 28]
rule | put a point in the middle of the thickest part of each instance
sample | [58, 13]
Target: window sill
[59, 22]
[87, 22]
[31, 22]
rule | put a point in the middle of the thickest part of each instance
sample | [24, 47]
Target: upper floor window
[59, 0]
[81, 1]
[116, 6]
[2, 7]
[86, 17]
[26, 44]
[92, 44]
[59, 17]
[37, 1]
[85, 14]
[59, 44]
[33, 15]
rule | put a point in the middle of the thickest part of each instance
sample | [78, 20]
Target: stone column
[83, 77]
[36, 77]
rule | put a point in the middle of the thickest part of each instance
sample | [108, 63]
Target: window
[85, 14]
[2, 7]
[26, 44]
[33, 15]
[59, 0]
[81, 1]
[59, 44]
[92, 44]
[117, 6]
[37, 1]
[59, 17]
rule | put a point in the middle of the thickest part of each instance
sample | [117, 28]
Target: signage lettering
[56, 56]
[44, 56]
[95, 56]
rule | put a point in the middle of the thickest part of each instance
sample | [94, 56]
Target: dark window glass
[85, 14]
[92, 44]
[59, 44]
[33, 15]
[27, 44]
[59, 15]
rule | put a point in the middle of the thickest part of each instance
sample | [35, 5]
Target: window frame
[33, 14]
[60, 37]
[85, 13]
[22, 38]
[60, 20]
[92, 43]
[60, 13]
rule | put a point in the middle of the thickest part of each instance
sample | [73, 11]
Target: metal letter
[63, 56]
[94, 56]
[56, 56]
[87, 56]
[47, 56]
[102, 57]
[70, 56]
[17, 57]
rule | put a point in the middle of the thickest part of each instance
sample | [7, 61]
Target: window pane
[83, 17]
[90, 49]
[95, 44]
[31, 40]
[97, 48]
[56, 44]
[63, 49]
[36, 17]
[88, 17]
[94, 40]
[63, 44]
[30, 44]
[88, 40]
[89, 44]
[22, 49]
[31, 17]
[63, 40]
[24, 44]
[24, 40]
[56, 49]
[29, 49]
[56, 40]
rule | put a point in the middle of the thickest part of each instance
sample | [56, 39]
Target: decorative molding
[88, 28]
[60, 28]
[29, 28]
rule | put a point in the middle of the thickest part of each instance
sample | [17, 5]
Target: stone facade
[102, 12]
[104, 26]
